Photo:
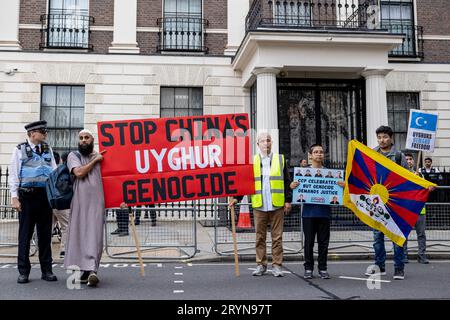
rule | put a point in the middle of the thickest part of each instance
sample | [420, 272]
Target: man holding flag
[384, 195]
[386, 148]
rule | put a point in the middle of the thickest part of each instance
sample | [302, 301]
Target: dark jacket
[392, 154]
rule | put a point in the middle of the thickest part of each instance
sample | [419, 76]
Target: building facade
[311, 70]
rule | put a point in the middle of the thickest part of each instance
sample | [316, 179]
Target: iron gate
[323, 111]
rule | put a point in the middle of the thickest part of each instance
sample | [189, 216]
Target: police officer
[31, 163]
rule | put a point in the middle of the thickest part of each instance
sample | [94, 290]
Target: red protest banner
[175, 159]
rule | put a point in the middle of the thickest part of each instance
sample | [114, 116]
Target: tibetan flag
[384, 195]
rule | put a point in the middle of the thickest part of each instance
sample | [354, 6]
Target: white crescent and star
[418, 119]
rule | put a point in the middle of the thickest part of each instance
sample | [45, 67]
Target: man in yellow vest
[272, 199]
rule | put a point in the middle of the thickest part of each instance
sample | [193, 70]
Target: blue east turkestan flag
[423, 121]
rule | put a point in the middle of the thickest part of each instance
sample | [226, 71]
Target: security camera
[11, 71]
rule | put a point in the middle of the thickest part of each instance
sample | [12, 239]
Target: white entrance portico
[264, 55]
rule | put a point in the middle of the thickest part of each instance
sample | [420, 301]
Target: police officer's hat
[41, 124]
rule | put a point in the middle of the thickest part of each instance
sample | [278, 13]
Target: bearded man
[85, 236]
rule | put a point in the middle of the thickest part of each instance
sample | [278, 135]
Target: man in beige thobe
[85, 236]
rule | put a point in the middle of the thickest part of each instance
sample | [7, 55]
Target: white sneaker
[373, 272]
[260, 270]
[276, 271]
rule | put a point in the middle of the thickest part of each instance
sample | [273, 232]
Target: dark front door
[329, 113]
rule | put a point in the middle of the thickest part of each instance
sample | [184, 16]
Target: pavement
[181, 273]
[218, 281]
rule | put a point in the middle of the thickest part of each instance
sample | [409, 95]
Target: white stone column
[9, 25]
[236, 12]
[266, 103]
[125, 15]
[376, 103]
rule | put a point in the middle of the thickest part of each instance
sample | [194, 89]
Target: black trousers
[36, 211]
[146, 211]
[311, 228]
[122, 219]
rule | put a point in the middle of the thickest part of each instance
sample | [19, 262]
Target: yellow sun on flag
[381, 191]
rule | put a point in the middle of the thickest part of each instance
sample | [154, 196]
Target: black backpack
[59, 187]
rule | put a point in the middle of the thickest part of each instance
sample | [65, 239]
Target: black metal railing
[5, 198]
[182, 34]
[66, 31]
[412, 46]
[312, 14]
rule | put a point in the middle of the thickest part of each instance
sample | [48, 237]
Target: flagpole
[419, 157]
[136, 242]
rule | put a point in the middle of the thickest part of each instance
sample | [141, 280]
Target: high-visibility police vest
[35, 167]
[276, 180]
[423, 211]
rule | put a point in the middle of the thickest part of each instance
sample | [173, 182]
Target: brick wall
[215, 11]
[102, 11]
[433, 16]
[148, 11]
[147, 42]
[101, 41]
[436, 51]
[216, 43]
[31, 10]
[30, 38]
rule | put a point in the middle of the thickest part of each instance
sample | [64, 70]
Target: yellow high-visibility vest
[423, 211]
[276, 181]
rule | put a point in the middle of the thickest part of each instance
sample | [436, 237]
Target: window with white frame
[68, 24]
[62, 106]
[179, 102]
[398, 17]
[398, 105]
[182, 25]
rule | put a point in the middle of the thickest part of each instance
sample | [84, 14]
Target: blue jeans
[380, 252]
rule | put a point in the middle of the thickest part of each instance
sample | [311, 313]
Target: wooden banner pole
[136, 242]
[233, 229]
[419, 158]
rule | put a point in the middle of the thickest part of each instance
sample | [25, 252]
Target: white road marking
[159, 265]
[179, 282]
[364, 279]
